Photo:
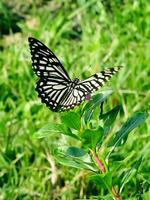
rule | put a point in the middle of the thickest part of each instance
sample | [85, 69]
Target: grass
[87, 36]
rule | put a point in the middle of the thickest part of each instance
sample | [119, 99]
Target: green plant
[89, 36]
[97, 144]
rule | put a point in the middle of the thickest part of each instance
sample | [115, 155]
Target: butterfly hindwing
[51, 93]
[73, 99]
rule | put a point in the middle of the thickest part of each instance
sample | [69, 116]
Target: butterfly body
[55, 88]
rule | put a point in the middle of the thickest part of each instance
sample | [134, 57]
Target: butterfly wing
[96, 81]
[54, 80]
[54, 87]
[45, 64]
[72, 99]
[86, 87]
[52, 92]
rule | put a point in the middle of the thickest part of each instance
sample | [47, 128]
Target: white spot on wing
[35, 44]
[59, 87]
[80, 93]
[41, 83]
[55, 60]
[35, 61]
[50, 59]
[46, 87]
[43, 52]
[40, 43]
[95, 83]
[101, 80]
[45, 74]
[43, 62]
[41, 67]
[45, 58]
[75, 93]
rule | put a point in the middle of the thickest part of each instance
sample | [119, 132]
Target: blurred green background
[87, 36]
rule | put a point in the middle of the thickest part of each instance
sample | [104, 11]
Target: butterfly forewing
[87, 86]
[45, 63]
[96, 81]
[54, 86]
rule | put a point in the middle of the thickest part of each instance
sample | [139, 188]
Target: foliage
[91, 139]
[87, 36]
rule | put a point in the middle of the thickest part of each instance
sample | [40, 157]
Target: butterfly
[54, 87]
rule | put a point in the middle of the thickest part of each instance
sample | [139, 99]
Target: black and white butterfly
[54, 86]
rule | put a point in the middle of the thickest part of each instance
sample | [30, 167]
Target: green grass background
[87, 36]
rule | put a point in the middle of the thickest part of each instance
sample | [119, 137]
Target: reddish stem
[103, 170]
[98, 162]
[115, 193]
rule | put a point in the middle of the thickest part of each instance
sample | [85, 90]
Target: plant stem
[115, 194]
[98, 162]
[102, 169]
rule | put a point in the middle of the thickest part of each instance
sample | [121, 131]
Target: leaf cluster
[103, 138]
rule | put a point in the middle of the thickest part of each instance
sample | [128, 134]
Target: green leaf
[47, 130]
[107, 197]
[110, 118]
[92, 137]
[75, 152]
[71, 120]
[75, 163]
[130, 173]
[146, 195]
[67, 131]
[77, 159]
[97, 99]
[128, 126]
[53, 129]
[93, 103]
[104, 181]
